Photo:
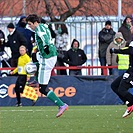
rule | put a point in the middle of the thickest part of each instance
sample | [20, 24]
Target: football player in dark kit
[121, 84]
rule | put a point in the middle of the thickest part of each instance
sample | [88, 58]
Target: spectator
[117, 43]
[2, 39]
[75, 57]
[106, 36]
[126, 28]
[2, 42]
[28, 34]
[61, 37]
[15, 39]
[61, 42]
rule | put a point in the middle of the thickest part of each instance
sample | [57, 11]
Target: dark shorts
[128, 76]
[20, 83]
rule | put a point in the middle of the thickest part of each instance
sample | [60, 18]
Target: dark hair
[33, 18]
[128, 16]
[63, 28]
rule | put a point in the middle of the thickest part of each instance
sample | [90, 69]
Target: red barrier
[7, 68]
[105, 68]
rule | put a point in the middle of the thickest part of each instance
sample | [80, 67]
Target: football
[30, 68]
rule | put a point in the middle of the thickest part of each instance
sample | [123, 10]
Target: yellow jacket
[123, 61]
[22, 61]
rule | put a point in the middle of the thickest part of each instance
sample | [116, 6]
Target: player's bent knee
[122, 93]
[43, 89]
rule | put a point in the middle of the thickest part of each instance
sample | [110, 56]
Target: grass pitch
[78, 119]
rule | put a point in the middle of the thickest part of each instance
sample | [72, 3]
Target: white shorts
[45, 68]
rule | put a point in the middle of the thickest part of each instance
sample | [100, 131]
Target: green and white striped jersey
[43, 37]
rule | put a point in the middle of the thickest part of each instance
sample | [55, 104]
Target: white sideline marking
[26, 110]
[43, 110]
[21, 110]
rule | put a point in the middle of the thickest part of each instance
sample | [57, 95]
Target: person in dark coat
[27, 33]
[106, 36]
[2, 41]
[126, 28]
[15, 40]
[75, 57]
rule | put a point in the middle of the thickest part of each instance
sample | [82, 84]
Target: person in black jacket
[15, 40]
[75, 57]
[2, 42]
[27, 33]
[121, 84]
[106, 36]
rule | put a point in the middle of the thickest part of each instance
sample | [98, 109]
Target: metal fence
[86, 33]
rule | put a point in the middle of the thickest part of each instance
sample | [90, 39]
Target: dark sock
[18, 97]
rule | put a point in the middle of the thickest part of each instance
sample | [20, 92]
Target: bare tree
[63, 9]
[60, 10]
